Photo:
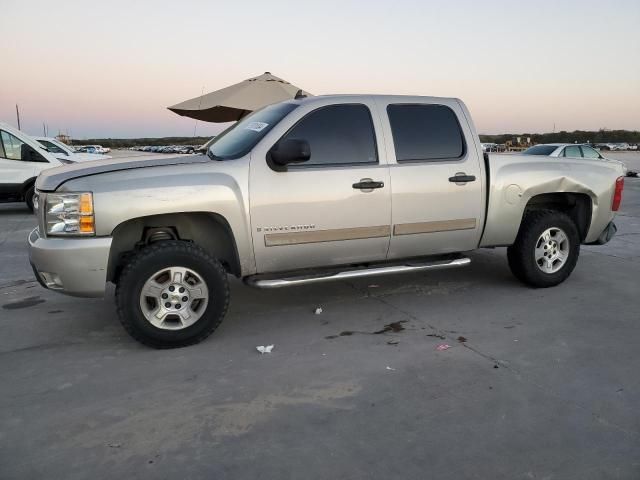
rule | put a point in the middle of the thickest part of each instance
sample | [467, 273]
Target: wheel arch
[27, 184]
[578, 206]
[210, 231]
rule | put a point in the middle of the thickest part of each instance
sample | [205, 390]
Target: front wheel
[546, 249]
[28, 197]
[172, 294]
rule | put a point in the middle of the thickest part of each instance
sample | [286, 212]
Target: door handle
[367, 184]
[462, 178]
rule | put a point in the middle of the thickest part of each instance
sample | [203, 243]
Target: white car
[22, 159]
[489, 147]
[97, 149]
[64, 152]
[569, 150]
[572, 150]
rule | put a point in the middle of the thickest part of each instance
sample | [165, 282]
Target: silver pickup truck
[310, 190]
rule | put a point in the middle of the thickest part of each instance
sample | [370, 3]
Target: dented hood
[51, 179]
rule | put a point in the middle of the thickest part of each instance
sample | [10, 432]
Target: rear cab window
[425, 133]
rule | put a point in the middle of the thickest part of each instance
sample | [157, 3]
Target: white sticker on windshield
[256, 126]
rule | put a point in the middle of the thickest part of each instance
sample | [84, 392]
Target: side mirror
[290, 151]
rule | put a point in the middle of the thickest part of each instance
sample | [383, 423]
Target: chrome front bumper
[74, 266]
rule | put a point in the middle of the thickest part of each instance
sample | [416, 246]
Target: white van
[65, 152]
[22, 158]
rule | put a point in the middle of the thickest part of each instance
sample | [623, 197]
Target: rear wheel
[546, 249]
[172, 294]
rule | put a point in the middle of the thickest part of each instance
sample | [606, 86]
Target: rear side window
[588, 152]
[425, 132]
[573, 152]
[337, 135]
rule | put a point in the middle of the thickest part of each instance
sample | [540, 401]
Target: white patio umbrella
[236, 101]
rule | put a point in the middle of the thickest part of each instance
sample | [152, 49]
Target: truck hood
[51, 179]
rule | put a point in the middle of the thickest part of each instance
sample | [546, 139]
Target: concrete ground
[537, 384]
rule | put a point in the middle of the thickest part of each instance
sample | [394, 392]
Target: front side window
[337, 135]
[244, 135]
[573, 151]
[588, 152]
[425, 132]
[12, 146]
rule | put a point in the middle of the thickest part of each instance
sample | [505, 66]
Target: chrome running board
[314, 277]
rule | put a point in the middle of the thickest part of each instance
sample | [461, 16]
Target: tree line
[579, 136]
[139, 142]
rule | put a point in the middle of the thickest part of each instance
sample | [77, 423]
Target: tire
[28, 197]
[522, 255]
[148, 267]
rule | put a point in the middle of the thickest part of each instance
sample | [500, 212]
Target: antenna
[300, 94]
[18, 115]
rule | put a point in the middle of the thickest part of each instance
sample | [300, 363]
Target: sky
[97, 69]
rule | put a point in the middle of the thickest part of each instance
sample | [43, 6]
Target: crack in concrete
[496, 361]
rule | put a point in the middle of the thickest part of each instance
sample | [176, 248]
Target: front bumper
[74, 266]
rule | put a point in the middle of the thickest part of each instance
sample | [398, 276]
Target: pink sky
[109, 69]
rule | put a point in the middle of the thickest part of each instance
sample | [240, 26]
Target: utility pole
[18, 115]
[195, 125]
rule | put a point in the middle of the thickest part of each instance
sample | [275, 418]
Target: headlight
[69, 214]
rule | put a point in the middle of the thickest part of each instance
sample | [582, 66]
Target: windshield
[52, 147]
[540, 150]
[245, 134]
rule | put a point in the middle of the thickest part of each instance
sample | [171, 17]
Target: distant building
[61, 137]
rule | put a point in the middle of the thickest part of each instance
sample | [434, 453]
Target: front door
[333, 209]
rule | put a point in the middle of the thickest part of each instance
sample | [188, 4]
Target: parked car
[22, 158]
[608, 146]
[310, 190]
[95, 149]
[64, 152]
[489, 147]
[569, 150]
[185, 149]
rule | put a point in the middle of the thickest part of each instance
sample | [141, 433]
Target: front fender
[126, 195]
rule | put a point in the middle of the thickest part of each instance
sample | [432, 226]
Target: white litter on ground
[264, 349]
[392, 369]
[318, 310]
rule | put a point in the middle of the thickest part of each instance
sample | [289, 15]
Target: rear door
[320, 213]
[435, 169]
